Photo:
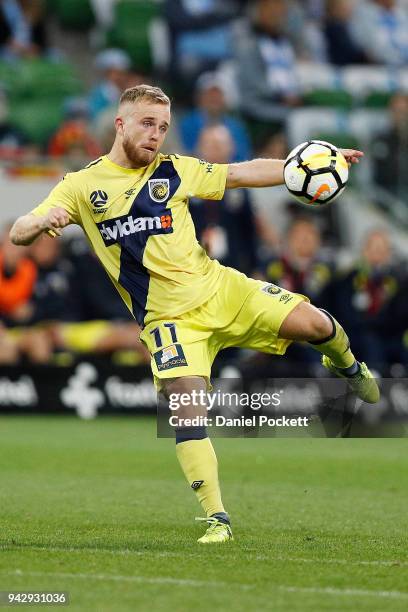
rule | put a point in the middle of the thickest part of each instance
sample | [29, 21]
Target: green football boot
[217, 531]
[362, 383]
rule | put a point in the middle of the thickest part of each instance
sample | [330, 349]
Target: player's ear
[118, 124]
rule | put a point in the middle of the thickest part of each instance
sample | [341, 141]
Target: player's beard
[137, 156]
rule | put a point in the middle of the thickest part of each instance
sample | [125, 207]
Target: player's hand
[56, 219]
[352, 156]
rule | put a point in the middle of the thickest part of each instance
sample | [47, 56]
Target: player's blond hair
[144, 92]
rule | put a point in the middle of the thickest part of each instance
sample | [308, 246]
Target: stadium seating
[39, 78]
[337, 98]
[131, 30]
[37, 119]
[74, 14]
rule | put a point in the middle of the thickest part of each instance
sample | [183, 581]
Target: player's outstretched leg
[306, 323]
[198, 460]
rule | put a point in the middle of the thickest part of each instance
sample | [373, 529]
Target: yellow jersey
[139, 225]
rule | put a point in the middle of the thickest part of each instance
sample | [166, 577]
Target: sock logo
[197, 484]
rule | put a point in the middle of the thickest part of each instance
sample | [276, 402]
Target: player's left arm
[269, 172]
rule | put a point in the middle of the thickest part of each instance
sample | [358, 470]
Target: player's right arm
[57, 211]
[28, 227]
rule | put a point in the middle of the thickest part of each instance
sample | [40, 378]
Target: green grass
[101, 509]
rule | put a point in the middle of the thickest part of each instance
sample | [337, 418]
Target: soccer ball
[316, 172]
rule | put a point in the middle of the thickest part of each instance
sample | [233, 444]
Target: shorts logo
[272, 289]
[197, 484]
[159, 189]
[170, 357]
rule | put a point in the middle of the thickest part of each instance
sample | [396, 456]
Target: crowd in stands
[247, 78]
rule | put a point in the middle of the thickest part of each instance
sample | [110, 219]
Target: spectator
[73, 140]
[223, 228]
[342, 48]
[53, 297]
[381, 28]
[266, 60]
[390, 150]
[200, 33]
[114, 66]
[22, 28]
[302, 266]
[18, 275]
[212, 109]
[369, 297]
[12, 141]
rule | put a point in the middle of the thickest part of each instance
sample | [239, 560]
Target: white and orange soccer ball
[316, 172]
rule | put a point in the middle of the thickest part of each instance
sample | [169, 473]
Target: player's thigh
[258, 324]
[178, 349]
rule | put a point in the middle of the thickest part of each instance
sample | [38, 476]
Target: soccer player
[133, 207]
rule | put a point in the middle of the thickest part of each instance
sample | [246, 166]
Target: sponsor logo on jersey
[114, 229]
[170, 357]
[98, 198]
[159, 189]
[272, 289]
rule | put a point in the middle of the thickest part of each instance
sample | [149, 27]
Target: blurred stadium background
[80, 509]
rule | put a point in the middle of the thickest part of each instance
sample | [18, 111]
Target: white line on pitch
[205, 583]
[256, 557]
[352, 592]
[139, 579]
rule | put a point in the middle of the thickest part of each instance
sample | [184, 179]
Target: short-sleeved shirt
[139, 225]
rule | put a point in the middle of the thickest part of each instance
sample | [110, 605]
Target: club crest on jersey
[159, 189]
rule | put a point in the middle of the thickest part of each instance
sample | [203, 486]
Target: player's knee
[319, 326]
[184, 385]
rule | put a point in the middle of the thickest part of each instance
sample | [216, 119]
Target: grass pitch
[101, 509]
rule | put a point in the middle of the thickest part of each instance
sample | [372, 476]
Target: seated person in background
[212, 108]
[12, 141]
[370, 295]
[200, 33]
[342, 48]
[113, 66]
[380, 27]
[389, 150]
[266, 60]
[74, 141]
[304, 267]
[22, 29]
[225, 226]
[18, 275]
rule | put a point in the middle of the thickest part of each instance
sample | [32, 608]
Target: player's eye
[147, 123]
[163, 129]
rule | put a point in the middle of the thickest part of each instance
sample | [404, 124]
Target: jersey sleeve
[203, 179]
[63, 195]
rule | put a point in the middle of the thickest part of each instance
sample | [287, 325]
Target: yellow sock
[336, 346]
[199, 464]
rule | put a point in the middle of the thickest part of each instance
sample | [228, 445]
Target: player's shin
[199, 463]
[337, 347]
